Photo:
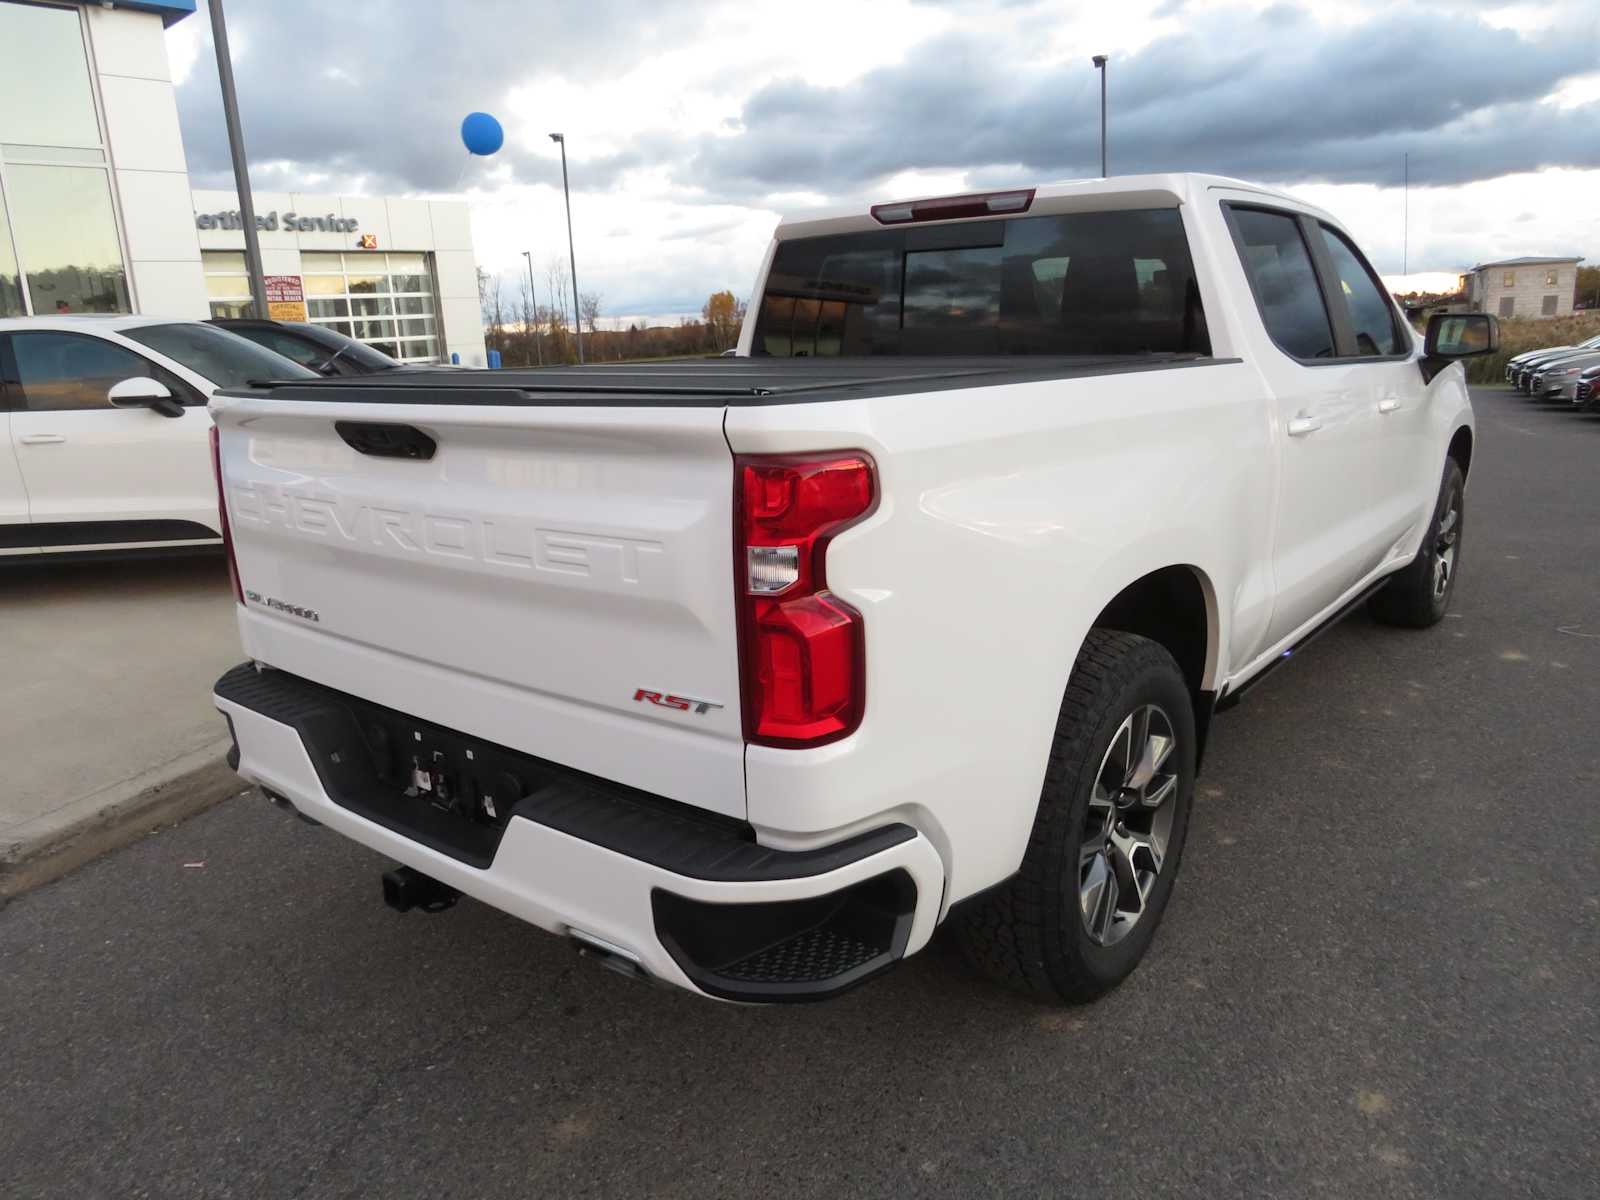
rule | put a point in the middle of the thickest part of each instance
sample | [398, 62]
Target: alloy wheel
[1445, 541]
[1128, 824]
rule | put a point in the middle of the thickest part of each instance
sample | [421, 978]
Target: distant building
[1523, 287]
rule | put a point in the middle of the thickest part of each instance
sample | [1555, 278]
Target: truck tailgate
[535, 581]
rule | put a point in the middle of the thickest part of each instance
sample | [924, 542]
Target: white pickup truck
[746, 674]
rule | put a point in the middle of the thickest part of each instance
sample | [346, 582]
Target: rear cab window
[1095, 284]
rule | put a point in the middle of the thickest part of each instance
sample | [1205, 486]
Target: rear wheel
[1080, 913]
[1418, 596]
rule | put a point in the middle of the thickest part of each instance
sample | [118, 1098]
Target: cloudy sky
[692, 126]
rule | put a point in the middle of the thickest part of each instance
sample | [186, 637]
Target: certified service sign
[286, 299]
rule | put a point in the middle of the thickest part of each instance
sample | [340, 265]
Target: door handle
[1388, 404]
[42, 439]
[1300, 426]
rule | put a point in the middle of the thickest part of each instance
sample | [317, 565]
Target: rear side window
[1080, 284]
[1284, 282]
[1371, 317]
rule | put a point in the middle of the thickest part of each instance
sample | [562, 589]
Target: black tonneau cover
[708, 382]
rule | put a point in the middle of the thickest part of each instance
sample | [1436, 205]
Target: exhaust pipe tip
[611, 956]
[405, 889]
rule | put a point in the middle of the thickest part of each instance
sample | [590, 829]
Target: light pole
[1405, 231]
[1100, 65]
[533, 300]
[572, 258]
[241, 167]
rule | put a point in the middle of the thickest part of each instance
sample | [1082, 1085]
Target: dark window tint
[292, 348]
[59, 371]
[1371, 317]
[1084, 284]
[216, 355]
[1285, 285]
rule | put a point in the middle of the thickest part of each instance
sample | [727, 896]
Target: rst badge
[680, 703]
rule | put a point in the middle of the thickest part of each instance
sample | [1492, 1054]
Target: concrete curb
[45, 848]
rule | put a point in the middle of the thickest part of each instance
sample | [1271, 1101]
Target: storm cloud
[373, 93]
[1264, 97]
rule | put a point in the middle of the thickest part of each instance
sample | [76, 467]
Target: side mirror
[144, 392]
[1461, 335]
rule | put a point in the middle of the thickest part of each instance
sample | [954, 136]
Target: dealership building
[97, 213]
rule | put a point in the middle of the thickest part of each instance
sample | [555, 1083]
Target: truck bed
[713, 382]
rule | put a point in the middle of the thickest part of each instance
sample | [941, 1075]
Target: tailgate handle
[386, 441]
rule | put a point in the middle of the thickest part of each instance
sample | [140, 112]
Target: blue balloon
[482, 134]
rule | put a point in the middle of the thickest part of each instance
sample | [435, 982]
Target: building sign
[369, 241]
[286, 299]
[269, 222]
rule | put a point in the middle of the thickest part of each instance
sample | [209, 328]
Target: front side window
[1371, 316]
[64, 371]
[1284, 282]
[1116, 283]
[217, 355]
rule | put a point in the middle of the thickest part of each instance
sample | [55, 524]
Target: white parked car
[745, 674]
[103, 430]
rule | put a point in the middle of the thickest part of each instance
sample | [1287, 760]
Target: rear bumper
[691, 903]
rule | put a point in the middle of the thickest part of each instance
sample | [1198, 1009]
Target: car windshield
[217, 355]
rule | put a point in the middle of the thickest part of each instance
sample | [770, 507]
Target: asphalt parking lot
[1380, 975]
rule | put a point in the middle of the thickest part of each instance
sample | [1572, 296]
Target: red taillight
[950, 208]
[803, 651]
[222, 513]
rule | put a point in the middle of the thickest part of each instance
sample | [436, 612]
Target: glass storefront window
[45, 96]
[357, 295]
[227, 284]
[66, 236]
[227, 287]
[10, 286]
[375, 285]
[323, 285]
[60, 250]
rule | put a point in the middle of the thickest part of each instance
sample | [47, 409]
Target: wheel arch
[1461, 449]
[1176, 607]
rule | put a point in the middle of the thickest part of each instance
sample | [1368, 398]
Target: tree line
[533, 330]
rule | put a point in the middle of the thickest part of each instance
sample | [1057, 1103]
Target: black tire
[1414, 597]
[1031, 933]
